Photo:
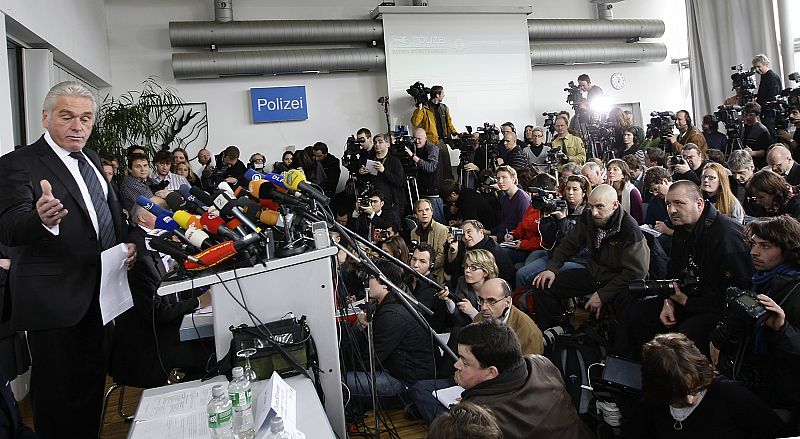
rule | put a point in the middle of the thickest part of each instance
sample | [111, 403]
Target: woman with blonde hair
[717, 190]
[462, 302]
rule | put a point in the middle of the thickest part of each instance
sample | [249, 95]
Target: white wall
[74, 29]
[339, 104]
[657, 86]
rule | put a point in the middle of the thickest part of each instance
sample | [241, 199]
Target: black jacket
[474, 205]
[722, 258]
[403, 347]
[768, 88]
[392, 182]
[333, 171]
[426, 294]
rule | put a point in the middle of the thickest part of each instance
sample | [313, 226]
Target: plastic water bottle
[276, 430]
[241, 398]
[220, 414]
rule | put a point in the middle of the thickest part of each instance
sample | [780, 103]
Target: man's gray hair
[594, 167]
[572, 167]
[761, 59]
[739, 159]
[67, 88]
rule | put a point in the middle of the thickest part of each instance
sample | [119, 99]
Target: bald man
[618, 254]
[779, 158]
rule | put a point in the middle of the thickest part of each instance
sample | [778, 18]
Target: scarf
[762, 281]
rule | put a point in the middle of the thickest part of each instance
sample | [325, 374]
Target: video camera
[779, 108]
[662, 125]
[466, 144]
[574, 95]
[458, 233]
[744, 80]
[419, 92]
[731, 116]
[601, 130]
[163, 185]
[546, 201]
[550, 121]
[352, 157]
[689, 283]
[403, 140]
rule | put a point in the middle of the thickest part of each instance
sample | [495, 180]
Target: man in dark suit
[779, 158]
[146, 343]
[58, 214]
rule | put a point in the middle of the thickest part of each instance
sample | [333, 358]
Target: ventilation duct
[223, 11]
[275, 62]
[548, 54]
[273, 32]
[589, 29]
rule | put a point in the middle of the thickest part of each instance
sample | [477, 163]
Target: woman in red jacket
[520, 242]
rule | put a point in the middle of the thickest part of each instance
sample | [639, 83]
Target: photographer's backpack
[572, 354]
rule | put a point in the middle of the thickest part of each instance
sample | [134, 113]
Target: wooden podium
[300, 284]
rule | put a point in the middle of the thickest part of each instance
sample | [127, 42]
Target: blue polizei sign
[275, 104]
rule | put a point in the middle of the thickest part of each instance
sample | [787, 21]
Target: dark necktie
[104, 222]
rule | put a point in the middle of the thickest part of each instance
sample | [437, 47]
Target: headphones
[688, 118]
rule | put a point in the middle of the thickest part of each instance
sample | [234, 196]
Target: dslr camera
[419, 92]
[677, 159]
[743, 314]
[546, 201]
[457, 232]
[689, 283]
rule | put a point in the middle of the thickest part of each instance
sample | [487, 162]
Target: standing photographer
[768, 87]
[764, 352]
[434, 116]
[687, 133]
[706, 247]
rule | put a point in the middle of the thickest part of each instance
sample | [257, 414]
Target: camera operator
[792, 140]
[755, 136]
[769, 86]
[471, 204]
[585, 84]
[474, 238]
[358, 150]
[690, 167]
[429, 176]
[234, 169]
[758, 341]
[708, 253]
[741, 165]
[618, 254]
[434, 117]
[535, 150]
[779, 158]
[369, 211]
[568, 143]
[687, 133]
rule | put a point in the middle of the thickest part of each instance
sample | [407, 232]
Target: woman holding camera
[682, 398]
[619, 177]
[553, 227]
[462, 302]
[716, 188]
[758, 340]
[773, 193]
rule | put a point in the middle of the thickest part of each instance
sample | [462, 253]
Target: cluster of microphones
[210, 229]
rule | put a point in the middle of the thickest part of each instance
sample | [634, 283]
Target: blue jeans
[535, 265]
[437, 208]
[391, 392]
[422, 396]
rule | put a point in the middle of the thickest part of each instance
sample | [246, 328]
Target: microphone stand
[370, 312]
[370, 266]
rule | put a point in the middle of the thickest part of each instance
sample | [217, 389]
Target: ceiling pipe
[273, 32]
[586, 29]
[275, 62]
[584, 53]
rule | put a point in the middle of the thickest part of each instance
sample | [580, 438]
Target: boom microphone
[296, 180]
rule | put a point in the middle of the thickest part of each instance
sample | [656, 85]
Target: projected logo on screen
[275, 104]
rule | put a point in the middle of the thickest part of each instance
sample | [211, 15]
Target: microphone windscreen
[175, 201]
[196, 236]
[293, 179]
[186, 219]
[261, 188]
[211, 223]
[166, 223]
[269, 217]
[212, 256]
[152, 207]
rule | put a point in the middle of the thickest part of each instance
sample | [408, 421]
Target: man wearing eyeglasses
[494, 302]
[779, 158]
